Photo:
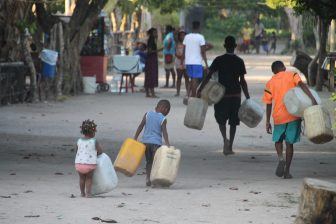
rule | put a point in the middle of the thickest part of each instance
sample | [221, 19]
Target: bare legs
[172, 71]
[228, 143]
[193, 87]
[85, 184]
[180, 73]
[283, 168]
[150, 92]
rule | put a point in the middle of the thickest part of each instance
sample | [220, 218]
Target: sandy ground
[37, 176]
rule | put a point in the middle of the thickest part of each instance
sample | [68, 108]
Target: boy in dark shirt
[231, 72]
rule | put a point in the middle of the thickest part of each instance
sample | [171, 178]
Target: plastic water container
[49, 56]
[129, 157]
[90, 85]
[318, 126]
[104, 177]
[296, 101]
[48, 70]
[165, 166]
[213, 92]
[195, 114]
[250, 113]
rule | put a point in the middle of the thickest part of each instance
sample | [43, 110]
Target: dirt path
[37, 176]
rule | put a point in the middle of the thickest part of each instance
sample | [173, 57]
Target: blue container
[48, 70]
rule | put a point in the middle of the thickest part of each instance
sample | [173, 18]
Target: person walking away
[179, 64]
[169, 55]
[264, 42]
[155, 124]
[231, 74]
[258, 29]
[87, 150]
[286, 126]
[273, 42]
[151, 66]
[194, 51]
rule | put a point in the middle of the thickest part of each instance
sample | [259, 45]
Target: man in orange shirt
[286, 126]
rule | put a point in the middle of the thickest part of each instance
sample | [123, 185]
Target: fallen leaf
[234, 188]
[28, 191]
[12, 174]
[72, 196]
[252, 157]
[5, 196]
[58, 173]
[206, 205]
[32, 216]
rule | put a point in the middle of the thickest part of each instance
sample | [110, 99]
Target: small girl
[86, 158]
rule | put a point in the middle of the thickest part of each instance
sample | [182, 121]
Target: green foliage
[227, 26]
[166, 6]
[25, 24]
[160, 19]
[323, 8]
[274, 4]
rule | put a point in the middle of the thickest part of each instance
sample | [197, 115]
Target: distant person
[140, 51]
[258, 30]
[246, 39]
[231, 74]
[152, 64]
[194, 51]
[286, 126]
[273, 42]
[264, 42]
[155, 124]
[180, 63]
[86, 156]
[169, 55]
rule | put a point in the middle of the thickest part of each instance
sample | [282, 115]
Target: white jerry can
[195, 114]
[104, 177]
[250, 113]
[165, 166]
[213, 92]
[296, 101]
[318, 126]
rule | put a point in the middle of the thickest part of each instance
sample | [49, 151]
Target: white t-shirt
[193, 43]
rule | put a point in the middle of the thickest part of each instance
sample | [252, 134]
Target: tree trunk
[317, 37]
[324, 24]
[30, 63]
[114, 21]
[123, 23]
[317, 203]
[333, 36]
[296, 27]
[60, 65]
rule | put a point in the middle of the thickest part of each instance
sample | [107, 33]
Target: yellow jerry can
[129, 157]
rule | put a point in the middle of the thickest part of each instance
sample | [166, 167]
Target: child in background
[86, 156]
[286, 126]
[273, 42]
[264, 42]
[155, 124]
[140, 50]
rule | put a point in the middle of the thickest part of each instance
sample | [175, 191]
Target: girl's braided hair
[88, 127]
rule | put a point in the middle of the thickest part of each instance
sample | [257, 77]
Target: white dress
[86, 153]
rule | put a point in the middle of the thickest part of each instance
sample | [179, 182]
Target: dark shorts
[227, 109]
[150, 152]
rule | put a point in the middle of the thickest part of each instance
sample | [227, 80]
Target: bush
[219, 27]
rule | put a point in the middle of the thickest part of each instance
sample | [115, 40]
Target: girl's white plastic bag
[104, 176]
[49, 56]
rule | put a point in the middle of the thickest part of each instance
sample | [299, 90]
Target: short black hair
[230, 42]
[196, 25]
[169, 28]
[164, 103]
[278, 66]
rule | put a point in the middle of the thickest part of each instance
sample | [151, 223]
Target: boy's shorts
[227, 109]
[290, 132]
[195, 71]
[150, 152]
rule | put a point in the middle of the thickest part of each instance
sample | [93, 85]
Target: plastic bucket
[89, 84]
[49, 56]
[48, 70]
